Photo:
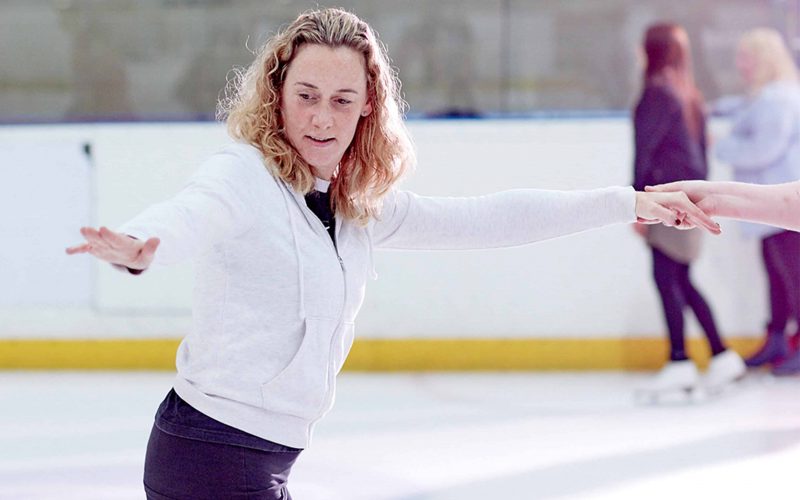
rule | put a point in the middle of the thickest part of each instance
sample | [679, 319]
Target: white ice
[453, 436]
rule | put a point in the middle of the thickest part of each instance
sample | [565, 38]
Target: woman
[763, 147]
[282, 225]
[670, 145]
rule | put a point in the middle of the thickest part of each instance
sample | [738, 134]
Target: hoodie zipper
[322, 232]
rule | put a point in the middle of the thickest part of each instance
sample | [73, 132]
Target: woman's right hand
[116, 248]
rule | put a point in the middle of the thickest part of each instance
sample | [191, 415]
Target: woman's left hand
[674, 210]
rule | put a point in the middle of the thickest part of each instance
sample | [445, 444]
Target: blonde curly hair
[381, 150]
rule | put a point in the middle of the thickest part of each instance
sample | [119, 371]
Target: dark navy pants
[183, 468]
[782, 259]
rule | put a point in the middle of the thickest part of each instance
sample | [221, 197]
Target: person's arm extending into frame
[775, 204]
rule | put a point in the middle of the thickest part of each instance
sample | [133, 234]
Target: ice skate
[677, 380]
[775, 349]
[789, 366]
[724, 371]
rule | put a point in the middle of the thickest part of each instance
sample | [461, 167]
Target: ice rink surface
[465, 436]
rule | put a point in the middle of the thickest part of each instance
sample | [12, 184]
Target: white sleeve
[216, 203]
[505, 219]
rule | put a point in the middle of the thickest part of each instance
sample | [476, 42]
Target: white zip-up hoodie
[274, 300]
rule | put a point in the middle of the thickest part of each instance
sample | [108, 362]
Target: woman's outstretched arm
[523, 216]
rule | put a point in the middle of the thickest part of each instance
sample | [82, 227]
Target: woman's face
[746, 65]
[323, 97]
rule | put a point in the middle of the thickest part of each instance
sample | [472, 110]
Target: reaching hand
[672, 209]
[116, 248]
[699, 192]
[774, 204]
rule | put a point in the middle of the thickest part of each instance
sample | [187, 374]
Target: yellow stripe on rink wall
[373, 355]
[100, 354]
[523, 354]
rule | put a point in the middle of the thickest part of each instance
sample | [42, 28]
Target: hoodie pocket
[301, 388]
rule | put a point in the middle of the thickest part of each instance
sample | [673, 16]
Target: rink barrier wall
[586, 301]
[378, 355]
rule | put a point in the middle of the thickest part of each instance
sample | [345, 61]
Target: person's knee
[664, 279]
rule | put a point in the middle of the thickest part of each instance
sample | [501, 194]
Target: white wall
[595, 284]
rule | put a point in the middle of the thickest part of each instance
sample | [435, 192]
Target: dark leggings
[677, 291]
[182, 468]
[781, 254]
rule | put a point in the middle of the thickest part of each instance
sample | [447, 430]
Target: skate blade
[718, 390]
[681, 395]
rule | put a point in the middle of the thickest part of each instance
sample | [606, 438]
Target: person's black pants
[676, 291]
[183, 468]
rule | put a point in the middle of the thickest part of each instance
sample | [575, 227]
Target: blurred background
[144, 60]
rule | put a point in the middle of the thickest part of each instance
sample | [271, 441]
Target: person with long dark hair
[670, 145]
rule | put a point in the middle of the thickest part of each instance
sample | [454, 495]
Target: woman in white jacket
[763, 147]
[282, 225]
